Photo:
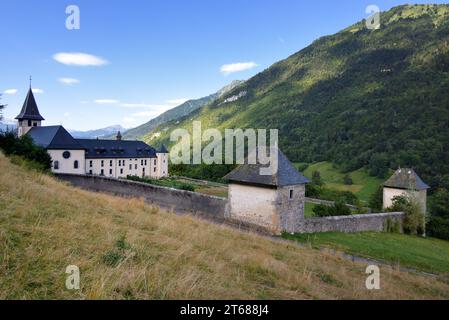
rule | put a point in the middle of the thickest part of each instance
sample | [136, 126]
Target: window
[110, 163]
[110, 171]
[90, 172]
[141, 162]
[102, 163]
[124, 163]
[291, 194]
[154, 161]
[56, 165]
[29, 123]
[102, 172]
[135, 166]
[75, 164]
[66, 154]
[154, 170]
[121, 171]
[145, 162]
[90, 163]
[120, 163]
[130, 167]
[34, 124]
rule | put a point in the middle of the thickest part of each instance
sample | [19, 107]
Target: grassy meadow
[425, 254]
[126, 249]
[363, 185]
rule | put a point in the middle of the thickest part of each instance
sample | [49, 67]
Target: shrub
[414, 220]
[347, 180]
[25, 148]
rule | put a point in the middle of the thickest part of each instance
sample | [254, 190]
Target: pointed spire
[29, 109]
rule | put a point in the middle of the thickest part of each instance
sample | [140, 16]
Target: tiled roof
[53, 137]
[96, 148]
[286, 175]
[406, 179]
[29, 109]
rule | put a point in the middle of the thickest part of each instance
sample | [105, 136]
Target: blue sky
[146, 56]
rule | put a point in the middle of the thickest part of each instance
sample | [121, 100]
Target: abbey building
[110, 158]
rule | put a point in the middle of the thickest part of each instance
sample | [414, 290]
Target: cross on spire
[31, 78]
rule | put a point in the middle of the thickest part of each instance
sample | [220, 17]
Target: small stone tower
[275, 201]
[405, 181]
[119, 136]
[29, 116]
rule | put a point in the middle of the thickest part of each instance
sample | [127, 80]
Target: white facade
[121, 168]
[74, 164]
[253, 204]
[389, 193]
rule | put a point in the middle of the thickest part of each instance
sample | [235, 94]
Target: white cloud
[79, 59]
[68, 81]
[67, 114]
[129, 120]
[37, 90]
[177, 101]
[137, 105]
[106, 101]
[237, 67]
[10, 91]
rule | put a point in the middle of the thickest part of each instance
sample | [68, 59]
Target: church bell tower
[29, 116]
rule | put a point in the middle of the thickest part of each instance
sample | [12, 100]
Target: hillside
[128, 250]
[359, 98]
[177, 113]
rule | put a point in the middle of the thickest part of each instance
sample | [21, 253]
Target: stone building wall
[290, 207]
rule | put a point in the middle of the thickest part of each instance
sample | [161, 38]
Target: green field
[363, 185]
[308, 210]
[426, 254]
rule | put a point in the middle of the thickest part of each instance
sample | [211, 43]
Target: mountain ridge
[358, 98]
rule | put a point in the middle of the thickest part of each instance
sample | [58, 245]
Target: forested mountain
[177, 113]
[360, 98]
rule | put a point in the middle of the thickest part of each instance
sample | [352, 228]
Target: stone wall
[356, 223]
[331, 203]
[172, 199]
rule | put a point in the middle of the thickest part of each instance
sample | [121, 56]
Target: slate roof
[53, 137]
[286, 175]
[163, 149]
[97, 149]
[29, 109]
[405, 178]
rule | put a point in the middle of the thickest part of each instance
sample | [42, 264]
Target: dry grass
[46, 225]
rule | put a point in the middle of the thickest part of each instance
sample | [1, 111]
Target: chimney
[119, 136]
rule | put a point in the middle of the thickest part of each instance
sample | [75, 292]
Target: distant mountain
[177, 112]
[359, 98]
[103, 133]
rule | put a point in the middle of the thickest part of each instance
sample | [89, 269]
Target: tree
[376, 200]
[316, 178]
[2, 106]
[414, 219]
